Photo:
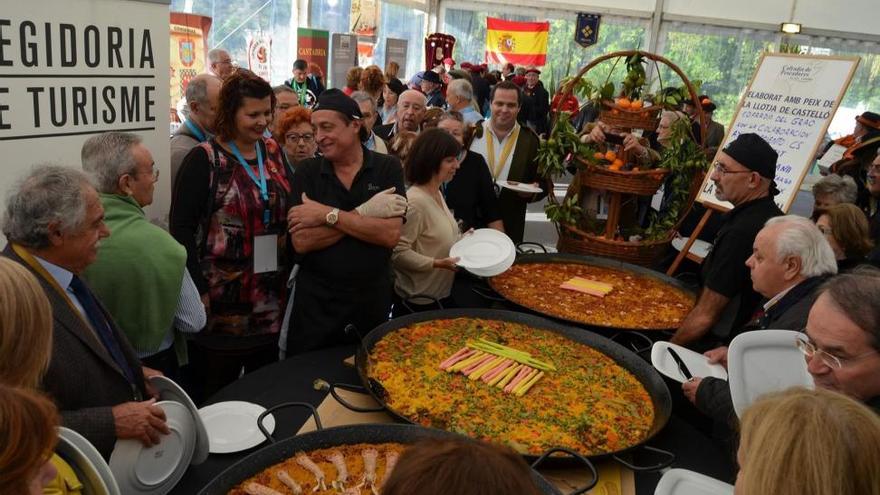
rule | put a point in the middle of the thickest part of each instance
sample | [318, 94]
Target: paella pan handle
[350, 329]
[586, 462]
[485, 295]
[519, 247]
[285, 405]
[331, 387]
[665, 463]
[419, 296]
[637, 336]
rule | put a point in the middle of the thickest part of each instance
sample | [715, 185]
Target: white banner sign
[259, 46]
[73, 68]
[789, 102]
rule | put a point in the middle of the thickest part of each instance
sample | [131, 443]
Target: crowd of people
[302, 214]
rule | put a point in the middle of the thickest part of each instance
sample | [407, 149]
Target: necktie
[101, 326]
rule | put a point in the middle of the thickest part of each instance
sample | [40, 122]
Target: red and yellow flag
[520, 43]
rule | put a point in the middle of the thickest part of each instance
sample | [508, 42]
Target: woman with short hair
[352, 80]
[846, 228]
[297, 135]
[229, 210]
[833, 190]
[808, 442]
[421, 262]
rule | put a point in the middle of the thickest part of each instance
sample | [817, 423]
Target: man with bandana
[744, 174]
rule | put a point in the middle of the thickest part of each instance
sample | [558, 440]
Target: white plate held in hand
[697, 363]
[168, 390]
[91, 469]
[155, 470]
[232, 425]
[763, 361]
[482, 249]
[519, 186]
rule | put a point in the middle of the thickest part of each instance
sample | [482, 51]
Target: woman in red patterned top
[229, 210]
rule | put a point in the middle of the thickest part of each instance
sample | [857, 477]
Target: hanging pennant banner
[521, 43]
[364, 17]
[586, 32]
[189, 47]
[258, 51]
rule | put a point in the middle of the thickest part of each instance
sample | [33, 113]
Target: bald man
[202, 101]
[411, 108]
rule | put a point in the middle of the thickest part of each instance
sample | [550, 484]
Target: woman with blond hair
[352, 80]
[809, 442]
[846, 228]
[25, 326]
[27, 419]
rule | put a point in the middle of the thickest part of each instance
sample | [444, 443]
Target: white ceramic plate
[168, 390]
[697, 363]
[483, 248]
[764, 361]
[155, 470]
[684, 482]
[232, 425]
[699, 248]
[519, 186]
[496, 269]
[88, 464]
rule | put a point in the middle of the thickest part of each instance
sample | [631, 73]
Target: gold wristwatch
[332, 217]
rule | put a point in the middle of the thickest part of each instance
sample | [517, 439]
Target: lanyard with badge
[505, 151]
[301, 91]
[265, 246]
[195, 130]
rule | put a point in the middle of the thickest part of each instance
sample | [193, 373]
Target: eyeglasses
[810, 350]
[154, 172]
[721, 169]
[295, 138]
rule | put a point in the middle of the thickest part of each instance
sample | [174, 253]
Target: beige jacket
[430, 230]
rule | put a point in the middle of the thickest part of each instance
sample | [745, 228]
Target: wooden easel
[686, 249]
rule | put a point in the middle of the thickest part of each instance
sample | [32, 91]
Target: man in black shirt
[744, 174]
[347, 215]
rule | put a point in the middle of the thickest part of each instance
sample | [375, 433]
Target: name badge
[265, 253]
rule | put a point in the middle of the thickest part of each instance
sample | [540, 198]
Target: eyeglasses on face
[810, 350]
[721, 169]
[295, 138]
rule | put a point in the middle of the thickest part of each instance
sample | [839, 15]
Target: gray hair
[857, 295]
[215, 54]
[108, 156]
[842, 188]
[461, 88]
[197, 89]
[800, 237]
[49, 194]
[360, 96]
[282, 88]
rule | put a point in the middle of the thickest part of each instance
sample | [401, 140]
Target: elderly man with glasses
[841, 341]
[744, 175]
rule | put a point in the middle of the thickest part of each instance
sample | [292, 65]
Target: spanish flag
[520, 43]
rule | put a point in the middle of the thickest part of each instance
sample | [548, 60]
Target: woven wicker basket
[640, 182]
[643, 253]
[645, 118]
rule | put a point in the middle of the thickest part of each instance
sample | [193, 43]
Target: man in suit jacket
[411, 107]
[53, 222]
[510, 151]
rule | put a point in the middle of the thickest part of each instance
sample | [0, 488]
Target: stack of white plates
[155, 470]
[90, 468]
[484, 252]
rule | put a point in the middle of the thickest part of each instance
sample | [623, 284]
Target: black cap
[336, 100]
[431, 76]
[869, 119]
[396, 86]
[754, 153]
